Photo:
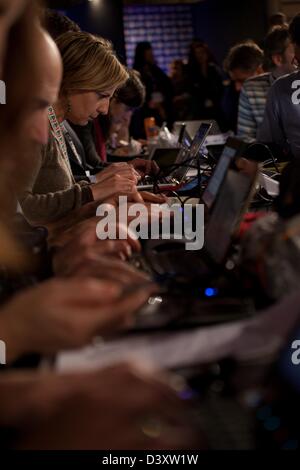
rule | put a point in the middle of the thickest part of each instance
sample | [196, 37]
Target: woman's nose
[104, 107]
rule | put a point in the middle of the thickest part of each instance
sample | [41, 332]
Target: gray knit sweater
[51, 191]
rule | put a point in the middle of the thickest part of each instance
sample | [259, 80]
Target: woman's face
[10, 10]
[87, 105]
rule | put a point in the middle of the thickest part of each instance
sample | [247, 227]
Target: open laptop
[167, 260]
[232, 201]
[233, 149]
[165, 157]
[191, 127]
[173, 175]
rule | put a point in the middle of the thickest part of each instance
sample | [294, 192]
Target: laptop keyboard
[148, 180]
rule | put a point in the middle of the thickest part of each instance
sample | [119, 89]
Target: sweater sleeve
[42, 200]
[247, 127]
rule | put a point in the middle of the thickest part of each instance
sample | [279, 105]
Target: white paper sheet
[247, 339]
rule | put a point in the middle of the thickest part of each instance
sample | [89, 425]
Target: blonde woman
[92, 73]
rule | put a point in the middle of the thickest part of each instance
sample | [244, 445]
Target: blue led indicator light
[210, 292]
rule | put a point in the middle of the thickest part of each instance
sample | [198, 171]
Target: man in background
[243, 61]
[279, 55]
[281, 123]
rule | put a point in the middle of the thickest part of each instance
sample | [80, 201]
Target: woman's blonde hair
[90, 63]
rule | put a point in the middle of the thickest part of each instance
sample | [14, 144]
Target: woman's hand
[122, 169]
[145, 167]
[115, 186]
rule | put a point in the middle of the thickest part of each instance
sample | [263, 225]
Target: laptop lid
[192, 153]
[165, 158]
[192, 127]
[233, 149]
[232, 202]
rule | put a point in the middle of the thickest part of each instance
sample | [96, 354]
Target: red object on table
[249, 220]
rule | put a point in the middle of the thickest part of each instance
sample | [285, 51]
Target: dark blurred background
[171, 24]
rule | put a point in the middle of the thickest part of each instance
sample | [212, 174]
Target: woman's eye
[102, 96]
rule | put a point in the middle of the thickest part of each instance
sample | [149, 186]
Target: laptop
[174, 174]
[233, 149]
[233, 199]
[191, 127]
[165, 157]
[170, 261]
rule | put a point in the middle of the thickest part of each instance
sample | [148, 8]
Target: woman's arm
[51, 192]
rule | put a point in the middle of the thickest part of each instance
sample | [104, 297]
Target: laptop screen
[192, 127]
[186, 140]
[199, 139]
[165, 158]
[218, 176]
[185, 155]
[228, 209]
[232, 149]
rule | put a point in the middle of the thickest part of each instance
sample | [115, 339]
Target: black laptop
[173, 173]
[166, 260]
[233, 149]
